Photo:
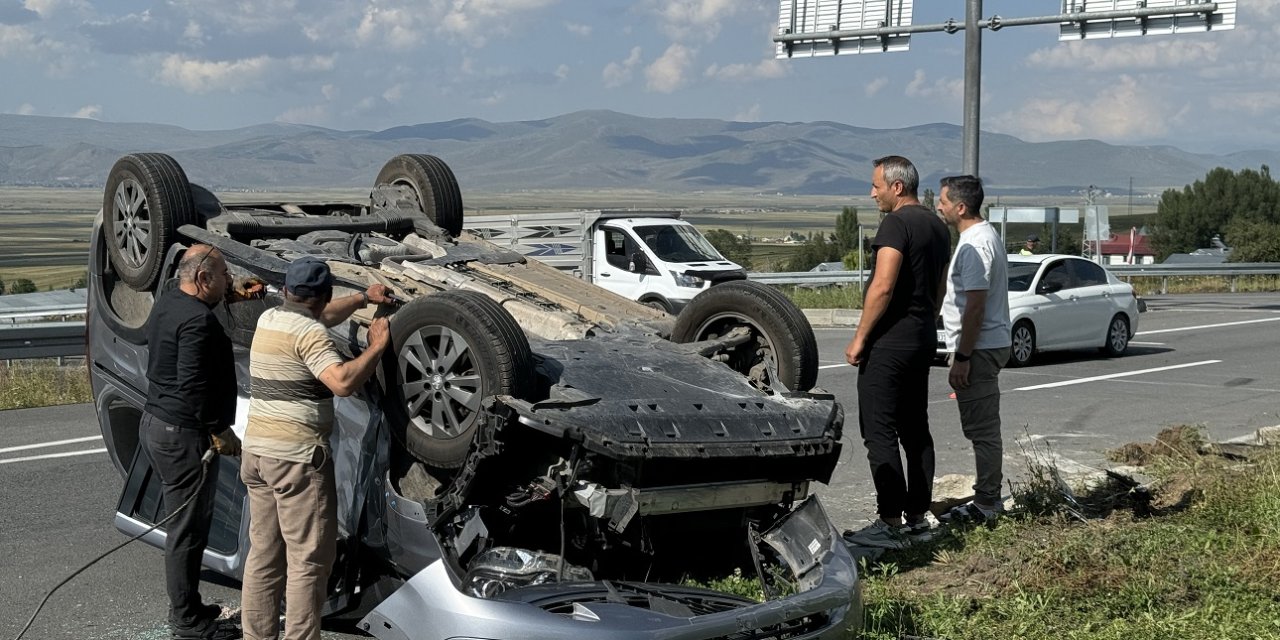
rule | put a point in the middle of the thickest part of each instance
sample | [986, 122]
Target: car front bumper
[431, 607]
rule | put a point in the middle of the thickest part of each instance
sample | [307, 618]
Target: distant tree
[1253, 240]
[731, 247]
[927, 199]
[80, 283]
[819, 248]
[1188, 219]
[846, 237]
[1, 286]
[22, 285]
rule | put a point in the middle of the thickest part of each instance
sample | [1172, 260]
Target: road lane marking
[1207, 326]
[53, 455]
[1110, 376]
[834, 366]
[1146, 344]
[49, 444]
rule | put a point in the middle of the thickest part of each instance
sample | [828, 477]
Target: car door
[614, 249]
[1052, 308]
[1093, 302]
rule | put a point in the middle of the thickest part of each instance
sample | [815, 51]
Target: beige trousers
[293, 538]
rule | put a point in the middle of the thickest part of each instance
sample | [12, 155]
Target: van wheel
[146, 199]
[433, 182]
[782, 350]
[451, 350]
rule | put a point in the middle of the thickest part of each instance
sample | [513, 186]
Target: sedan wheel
[1117, 336]
[1024, 344]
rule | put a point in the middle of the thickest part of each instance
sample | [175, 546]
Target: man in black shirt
[191, 403]
[893, 349]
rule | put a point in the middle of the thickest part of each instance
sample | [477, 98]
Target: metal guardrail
[20, 340]
[42, 340]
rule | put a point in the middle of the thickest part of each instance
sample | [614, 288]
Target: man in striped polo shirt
[295, 371]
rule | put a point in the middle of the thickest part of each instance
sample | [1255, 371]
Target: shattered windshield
[677, 243]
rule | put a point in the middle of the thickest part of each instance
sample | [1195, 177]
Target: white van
[650, 256]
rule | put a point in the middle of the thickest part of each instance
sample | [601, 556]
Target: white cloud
[494, 98]
[330, 91]
[946, 88]
[394, 94]
[1255, 103]
[765, 69]
[25, 109]
[875, 86]
[1151, 53]
[313, 114]
[1127, 111]
[404, 24]
[193, 33]
[562, 72]
[16, 40]
[90, 111]
[575, 28]
[195, 75]
[617, 74]
[667, 73]
[48, 8]
[750, 114]
[693, 19]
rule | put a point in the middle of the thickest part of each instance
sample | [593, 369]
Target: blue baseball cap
[308, 277]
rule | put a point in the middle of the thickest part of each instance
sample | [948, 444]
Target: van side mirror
[639, 262]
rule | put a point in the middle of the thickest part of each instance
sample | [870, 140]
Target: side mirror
[639, 262]
[1049, 287]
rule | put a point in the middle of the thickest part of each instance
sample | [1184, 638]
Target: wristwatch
[365, 295]
[963, 357]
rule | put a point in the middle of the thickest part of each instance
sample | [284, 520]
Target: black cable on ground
[204, 469]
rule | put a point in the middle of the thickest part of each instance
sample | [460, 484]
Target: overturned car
[537, 457]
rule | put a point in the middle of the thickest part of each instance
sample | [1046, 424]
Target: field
[44, 233]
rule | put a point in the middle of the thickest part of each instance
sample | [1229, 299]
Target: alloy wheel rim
[440, 382]
[1119, 337]
[131, 222]
[1022, 344]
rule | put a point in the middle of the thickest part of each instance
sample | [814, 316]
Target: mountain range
[594, 150]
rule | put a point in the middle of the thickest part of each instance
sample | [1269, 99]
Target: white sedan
[1064, 302]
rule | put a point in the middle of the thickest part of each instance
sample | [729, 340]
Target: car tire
[146, 199]
[782, 340]
[1024, 344]
[1117, 336]
[451, 350]
[433, 182]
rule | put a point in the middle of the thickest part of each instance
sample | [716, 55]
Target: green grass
[830, 297]
[1203, 564]
[1151, 285]
[41, 383]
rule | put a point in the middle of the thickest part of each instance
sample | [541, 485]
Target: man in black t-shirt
[191, 404]
[893, 349]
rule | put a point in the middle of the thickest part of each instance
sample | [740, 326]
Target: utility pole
[819, 28]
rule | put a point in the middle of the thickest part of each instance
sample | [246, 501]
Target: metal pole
[862, 286]
[972, 84]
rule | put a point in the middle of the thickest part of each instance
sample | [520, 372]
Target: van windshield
[677, 243]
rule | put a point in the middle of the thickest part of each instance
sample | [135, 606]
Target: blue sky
[374, 64]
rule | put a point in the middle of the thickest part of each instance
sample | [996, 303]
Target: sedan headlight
[686, 280]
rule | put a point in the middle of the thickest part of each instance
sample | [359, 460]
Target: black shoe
[215, 630]
[210, 611]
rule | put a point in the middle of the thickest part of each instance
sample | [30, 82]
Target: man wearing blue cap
[296, 370]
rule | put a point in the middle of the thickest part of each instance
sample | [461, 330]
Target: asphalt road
[1205, 359]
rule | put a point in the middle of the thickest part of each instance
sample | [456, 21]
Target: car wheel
[451, 350]
[434, 184]
[146, 199]
[782, 349]
[1117, 336]
[657, 304]
[1024, 344]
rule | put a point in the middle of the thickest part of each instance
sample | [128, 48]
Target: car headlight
[502, 568]
[686, 280]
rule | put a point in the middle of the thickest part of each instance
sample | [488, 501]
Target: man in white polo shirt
[975, 315]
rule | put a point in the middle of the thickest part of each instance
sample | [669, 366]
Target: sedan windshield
[678, 243]
[1021, 274]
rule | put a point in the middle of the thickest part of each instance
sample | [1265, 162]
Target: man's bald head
[197, 258]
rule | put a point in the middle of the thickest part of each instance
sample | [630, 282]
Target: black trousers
[893, 417]
[174, 453]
